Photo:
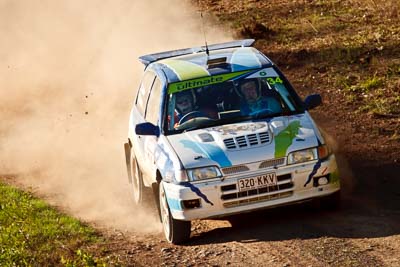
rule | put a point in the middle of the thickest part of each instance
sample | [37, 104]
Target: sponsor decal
[199, 82]
[285, 138]
[197, 191]
[235, 128]
[267, 72]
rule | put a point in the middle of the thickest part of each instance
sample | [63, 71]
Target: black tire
[176, 231]
[237, 221]
[139, 193]
[331, 202]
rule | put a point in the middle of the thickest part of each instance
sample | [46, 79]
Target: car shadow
[369, 209]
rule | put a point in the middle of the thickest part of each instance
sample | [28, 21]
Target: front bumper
[220, 197]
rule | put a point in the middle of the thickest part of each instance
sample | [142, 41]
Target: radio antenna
[204, 33]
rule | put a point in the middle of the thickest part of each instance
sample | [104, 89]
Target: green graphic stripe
[185, 70]
[285, 138]
[185, 85]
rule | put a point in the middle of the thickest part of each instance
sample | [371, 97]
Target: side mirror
[313, 101]
[147, 128]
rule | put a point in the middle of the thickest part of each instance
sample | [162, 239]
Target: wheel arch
[128, 148]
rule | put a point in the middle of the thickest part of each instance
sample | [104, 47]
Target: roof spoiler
[147, 59]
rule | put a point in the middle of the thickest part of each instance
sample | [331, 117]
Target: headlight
[204, 173]
[321, 152]
[180, 176]
[302, 156]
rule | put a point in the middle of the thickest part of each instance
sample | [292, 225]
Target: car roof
[218, 61]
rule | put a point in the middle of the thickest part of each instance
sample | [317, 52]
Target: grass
[34, 234]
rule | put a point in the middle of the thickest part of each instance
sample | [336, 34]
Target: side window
[144, 90]
[153, 106]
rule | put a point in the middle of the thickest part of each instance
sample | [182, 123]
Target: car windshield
[225, 98]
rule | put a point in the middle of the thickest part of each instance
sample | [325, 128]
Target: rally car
[218, 130]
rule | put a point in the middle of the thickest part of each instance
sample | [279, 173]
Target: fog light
[191, 204]
[323, 181]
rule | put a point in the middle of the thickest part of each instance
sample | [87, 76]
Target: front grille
[235, 169]
[257, 199]
[271, 163]
[258, 191]
[230, 192]
[246, 141]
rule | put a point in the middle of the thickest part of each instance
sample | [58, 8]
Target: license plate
[268, 179]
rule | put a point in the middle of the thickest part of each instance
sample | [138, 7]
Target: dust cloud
[348, 180]
[68, 75]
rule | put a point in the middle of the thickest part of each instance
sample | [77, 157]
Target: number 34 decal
[272, 80]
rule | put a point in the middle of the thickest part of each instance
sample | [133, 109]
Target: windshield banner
[189, 84]
[199, 82]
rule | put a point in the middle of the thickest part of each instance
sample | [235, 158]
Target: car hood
[245, 142]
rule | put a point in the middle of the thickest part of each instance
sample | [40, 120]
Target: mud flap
[128, 161]
[156, 194]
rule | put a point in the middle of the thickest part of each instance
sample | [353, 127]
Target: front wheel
[331, 202]
[176, 231]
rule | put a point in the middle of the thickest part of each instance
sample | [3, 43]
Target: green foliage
[372, 83]
[367, 85]
[393, 70]
[82, 259]
[33, 233]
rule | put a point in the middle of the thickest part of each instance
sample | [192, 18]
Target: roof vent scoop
[205, 137]
[217, 63]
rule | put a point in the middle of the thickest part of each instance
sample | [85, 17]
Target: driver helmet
[249, 89]
[185, 102]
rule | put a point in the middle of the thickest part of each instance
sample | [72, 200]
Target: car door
[152, 115]
[138, 116]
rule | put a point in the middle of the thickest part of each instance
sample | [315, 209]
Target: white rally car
[218, 130]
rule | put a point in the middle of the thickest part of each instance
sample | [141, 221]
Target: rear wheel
[176, 231]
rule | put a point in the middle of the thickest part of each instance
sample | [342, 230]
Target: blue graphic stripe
[211, 151]
[313, 172]
[197, 191]
[244, 59]
[218, 155]
[165, 165]
[174, 204]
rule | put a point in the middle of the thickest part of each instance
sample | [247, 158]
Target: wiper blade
[198, 124]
